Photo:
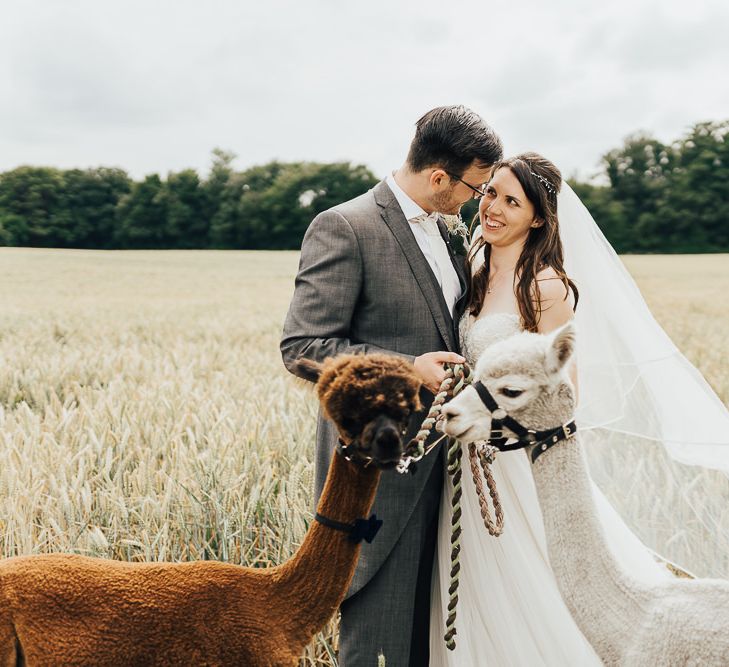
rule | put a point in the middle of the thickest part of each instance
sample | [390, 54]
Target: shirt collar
[409, 208]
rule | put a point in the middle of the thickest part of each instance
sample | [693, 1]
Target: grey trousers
[391, 613]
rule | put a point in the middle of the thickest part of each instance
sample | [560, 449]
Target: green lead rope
[454, 470]
[462, 375]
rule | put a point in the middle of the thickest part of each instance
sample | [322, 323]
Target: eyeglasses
[480, 192]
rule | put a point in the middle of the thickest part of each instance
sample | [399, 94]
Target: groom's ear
[437, 178]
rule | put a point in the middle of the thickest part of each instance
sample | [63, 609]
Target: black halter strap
[360, 529]
[352, 453]
[542, 440]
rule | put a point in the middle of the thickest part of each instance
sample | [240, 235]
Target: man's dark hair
[452, 138]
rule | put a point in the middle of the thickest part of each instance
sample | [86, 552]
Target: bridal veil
[650, 420]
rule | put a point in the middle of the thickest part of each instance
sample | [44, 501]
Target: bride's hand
[429, 367]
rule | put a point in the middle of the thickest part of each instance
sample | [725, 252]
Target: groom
[377, 274]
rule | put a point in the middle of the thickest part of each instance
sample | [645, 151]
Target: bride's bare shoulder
[552, 289]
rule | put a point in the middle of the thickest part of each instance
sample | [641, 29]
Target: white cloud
[155, 86]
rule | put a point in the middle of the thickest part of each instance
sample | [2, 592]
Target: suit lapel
[393, 216]
[459, 264]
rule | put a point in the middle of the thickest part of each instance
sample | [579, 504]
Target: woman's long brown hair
[542, 249]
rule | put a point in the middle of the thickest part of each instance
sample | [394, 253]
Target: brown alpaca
[73, 610]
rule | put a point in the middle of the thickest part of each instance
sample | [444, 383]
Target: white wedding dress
[510, 611]
[635, 385]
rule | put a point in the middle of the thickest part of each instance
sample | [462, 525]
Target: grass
[145, 413]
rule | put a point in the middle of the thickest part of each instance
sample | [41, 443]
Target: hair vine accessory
[545, 182]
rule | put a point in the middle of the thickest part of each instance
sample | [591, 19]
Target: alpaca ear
[308, 369]
[561, 348]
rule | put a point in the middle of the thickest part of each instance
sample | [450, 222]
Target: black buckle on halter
[497, 430]
[526, 437]
[551, 438]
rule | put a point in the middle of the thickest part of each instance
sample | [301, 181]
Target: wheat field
[145, 413]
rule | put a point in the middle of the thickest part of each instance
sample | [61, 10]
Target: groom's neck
[415, 186]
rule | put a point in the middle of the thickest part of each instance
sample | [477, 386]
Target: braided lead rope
[477, 453]
[433, 413]
[454, 470]
[415, 450]
[462, 375]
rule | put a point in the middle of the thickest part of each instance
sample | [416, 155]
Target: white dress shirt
[431, 244]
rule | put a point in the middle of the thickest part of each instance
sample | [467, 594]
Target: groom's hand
[429, 367]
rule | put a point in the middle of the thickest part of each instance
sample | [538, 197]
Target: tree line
[654, 197]
[665, 198]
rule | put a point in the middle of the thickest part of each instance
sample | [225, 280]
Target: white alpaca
[628, 622]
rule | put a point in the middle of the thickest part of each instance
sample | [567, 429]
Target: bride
[532, 269]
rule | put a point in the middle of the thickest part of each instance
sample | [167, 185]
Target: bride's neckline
[503, 313]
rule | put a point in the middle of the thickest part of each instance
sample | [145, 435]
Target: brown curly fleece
[355, 389]
[72, 610]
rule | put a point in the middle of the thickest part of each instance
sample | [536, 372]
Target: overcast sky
[154, 86]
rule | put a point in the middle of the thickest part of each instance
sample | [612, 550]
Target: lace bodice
[477, 334]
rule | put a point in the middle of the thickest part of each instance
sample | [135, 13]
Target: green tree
[32, 208]
[185, 203]
[279, 208]
[695, 212]
[221, 189]
[91, 198]
[666, 198]
[659, 198]
[142, 216]
[271, 205]
[639, 174]
[45, 207]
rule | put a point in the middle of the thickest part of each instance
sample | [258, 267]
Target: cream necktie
[445, 273]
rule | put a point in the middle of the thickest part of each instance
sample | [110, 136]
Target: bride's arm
[557, 304]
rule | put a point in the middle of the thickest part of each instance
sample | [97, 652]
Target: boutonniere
[458, 233]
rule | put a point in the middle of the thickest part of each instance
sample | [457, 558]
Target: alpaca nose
[388, 437]
[449, 411]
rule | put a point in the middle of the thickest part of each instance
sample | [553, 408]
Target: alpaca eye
[511, 393]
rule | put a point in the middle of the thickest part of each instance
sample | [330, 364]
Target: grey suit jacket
[364, 286]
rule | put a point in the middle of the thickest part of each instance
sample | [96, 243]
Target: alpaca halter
[358, 530]
[351, 453]
[526, 437]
